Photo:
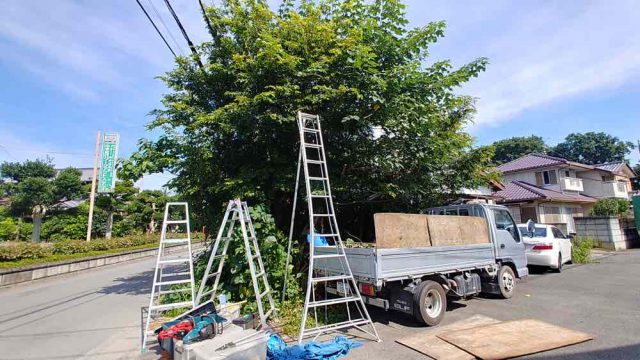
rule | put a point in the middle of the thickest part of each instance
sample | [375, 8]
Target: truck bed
[376, 266]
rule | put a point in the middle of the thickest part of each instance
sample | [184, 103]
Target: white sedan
[546, 246]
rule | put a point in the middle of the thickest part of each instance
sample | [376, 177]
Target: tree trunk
[37, 213]
[18, 230]
[37, 224]
[109, 225]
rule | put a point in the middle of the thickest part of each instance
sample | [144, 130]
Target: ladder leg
[293, 217]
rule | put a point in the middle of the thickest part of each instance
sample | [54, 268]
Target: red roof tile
[517, 191]
[530, 161]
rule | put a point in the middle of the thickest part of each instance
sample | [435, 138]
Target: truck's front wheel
[507, 281]
[430, 302]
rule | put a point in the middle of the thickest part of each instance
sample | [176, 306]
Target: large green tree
[392, 121]
[592, 148]
[517, 146]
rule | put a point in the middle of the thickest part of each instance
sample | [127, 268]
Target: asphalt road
[96, 314]
[602, 299]
[93, 314]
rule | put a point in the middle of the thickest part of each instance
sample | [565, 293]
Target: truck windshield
[539, 232]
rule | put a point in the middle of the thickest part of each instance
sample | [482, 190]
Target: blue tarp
[328, 350]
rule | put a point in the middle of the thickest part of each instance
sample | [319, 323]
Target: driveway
[602, 298]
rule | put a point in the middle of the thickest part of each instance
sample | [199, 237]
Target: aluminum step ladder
[238, 211]
[323, 225]
[175, 268]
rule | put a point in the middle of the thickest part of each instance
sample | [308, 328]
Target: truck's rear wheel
[430, 302]
[507, 281]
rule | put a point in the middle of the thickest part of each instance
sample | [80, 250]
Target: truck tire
[430, 302]
[507, 282]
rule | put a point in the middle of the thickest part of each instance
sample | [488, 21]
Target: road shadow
[138, 284]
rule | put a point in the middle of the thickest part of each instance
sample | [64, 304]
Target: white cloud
[89, 48]
[563, 50]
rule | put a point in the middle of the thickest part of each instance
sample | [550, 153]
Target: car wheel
[430, 302]
[507, 282]
[559, 265]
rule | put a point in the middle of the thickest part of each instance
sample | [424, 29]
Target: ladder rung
[310, 129]
[312, 146]
[175, 241]
[207, 292]
[327, 256]
[213, 274]
[323, 215]
[173, 282]
[261, 273]
[265, 293]
[182, 273]
[334, 301]
[331, 278]
[336, 326]
[318, 178]
[172, 291]
[173, 222]
[171, 306]
[320, 196]
[318, 162]
[174, 261]
[327, 235]
[269, 312]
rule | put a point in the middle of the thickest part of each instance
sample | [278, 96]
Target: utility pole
[92, 197]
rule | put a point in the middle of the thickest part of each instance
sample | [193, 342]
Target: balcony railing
[572, 184]
[615, 189]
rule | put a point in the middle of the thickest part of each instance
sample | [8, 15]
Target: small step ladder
[175, 268]
[323, 224]
[238, 211]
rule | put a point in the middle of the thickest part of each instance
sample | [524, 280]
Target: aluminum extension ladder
[171, 269]
[322, 215]
[238, 211]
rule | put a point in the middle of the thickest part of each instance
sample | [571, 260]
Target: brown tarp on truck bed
[396, 230]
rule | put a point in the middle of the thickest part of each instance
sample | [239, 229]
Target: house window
[547, 177]
[607, 177]
[567, 173]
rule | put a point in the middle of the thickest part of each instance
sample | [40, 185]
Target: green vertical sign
[636, 210]
[109, 154]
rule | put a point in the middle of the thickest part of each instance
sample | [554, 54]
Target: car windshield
[539, 232]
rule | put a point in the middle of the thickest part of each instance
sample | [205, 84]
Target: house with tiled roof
[552, 190]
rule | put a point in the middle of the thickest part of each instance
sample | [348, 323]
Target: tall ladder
[323, 224]
[175, 268]
[238, 211]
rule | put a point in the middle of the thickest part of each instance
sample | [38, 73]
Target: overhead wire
[155, 27]
[175, 42]
[184, 33]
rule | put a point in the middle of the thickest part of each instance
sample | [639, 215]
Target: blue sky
[71, 69]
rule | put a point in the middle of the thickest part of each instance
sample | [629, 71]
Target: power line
[206, 17]
[155, 27]
[175, 42]
[184, 33]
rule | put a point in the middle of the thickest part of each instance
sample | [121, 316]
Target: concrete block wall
[610, 232]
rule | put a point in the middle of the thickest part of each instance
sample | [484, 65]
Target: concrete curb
[40, 271]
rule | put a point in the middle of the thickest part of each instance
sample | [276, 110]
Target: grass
[62, 257]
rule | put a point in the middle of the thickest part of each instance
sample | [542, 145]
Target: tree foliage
[592, 148]
[229, 130]
[611, 207]
[514, 147]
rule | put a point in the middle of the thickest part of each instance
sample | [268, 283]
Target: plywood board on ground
[447, 230]
[427, 342]
[394, 230]
[513, 338]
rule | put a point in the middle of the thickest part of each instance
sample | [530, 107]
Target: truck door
[508, 242]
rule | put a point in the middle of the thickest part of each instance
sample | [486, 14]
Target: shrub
[18, 250]
[610, 207]
[8, 229]
[68, 247]
[581, 250]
